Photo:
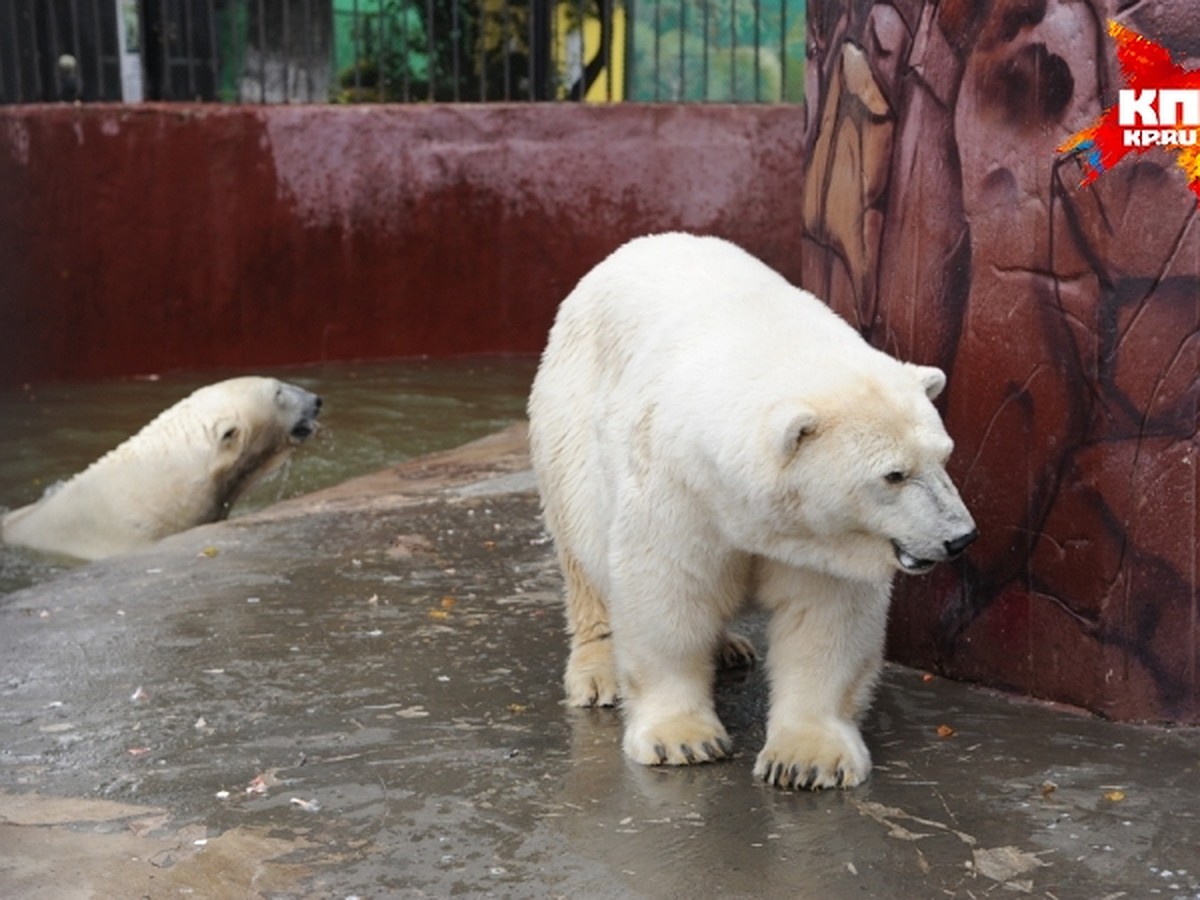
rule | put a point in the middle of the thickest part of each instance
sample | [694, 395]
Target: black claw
[726, 746]
[687, 752]
[841, 777]
[709, 750]
[660, 751]
[810, 778]
[794, 777]
[777, 774]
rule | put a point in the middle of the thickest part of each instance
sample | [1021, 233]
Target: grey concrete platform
[356, 694]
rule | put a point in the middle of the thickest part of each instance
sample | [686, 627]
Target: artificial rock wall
[939, 218]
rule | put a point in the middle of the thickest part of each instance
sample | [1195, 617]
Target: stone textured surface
[940, 220]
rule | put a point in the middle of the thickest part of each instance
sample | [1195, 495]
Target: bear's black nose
[959, 544]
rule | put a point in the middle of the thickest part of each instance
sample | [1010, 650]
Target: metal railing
[271, 51]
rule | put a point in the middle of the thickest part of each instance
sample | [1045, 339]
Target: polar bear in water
[704, 433]
[185, 468]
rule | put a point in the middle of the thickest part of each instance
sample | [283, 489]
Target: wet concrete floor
[356, 694]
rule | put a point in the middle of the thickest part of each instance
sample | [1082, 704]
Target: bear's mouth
[304, 429]
[911, 564]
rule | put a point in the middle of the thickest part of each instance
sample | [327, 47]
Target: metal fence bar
[4, 89]
[309, 55]
[481, 57]
[733, 46]
[214, 63]
[455, 37]
[262, 53]
[38, 87]
[430, 65]
[758, 50]
[609, 50]
[189, 60]
[354, 43]
[285, 43]
[55, 49]
[681, 90]
[98, 30]
[783, 60]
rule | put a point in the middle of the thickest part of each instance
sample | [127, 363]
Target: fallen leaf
[1005, 863]
[406, 546]
[945, 731]
[208, 552]
[1114, 796]
[927, 677]
[449, 603]
[439, 614]
[260, 783]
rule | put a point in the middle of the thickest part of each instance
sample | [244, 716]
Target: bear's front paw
[591, 678]
[680, 740]
[814, 756]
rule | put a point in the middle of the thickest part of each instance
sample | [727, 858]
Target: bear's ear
[794, 423]
[931, 379]
[226, 432]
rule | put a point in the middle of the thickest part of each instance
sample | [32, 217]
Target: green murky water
[375, 414]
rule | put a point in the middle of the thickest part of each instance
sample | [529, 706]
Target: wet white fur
[185, 468]
[704, 433]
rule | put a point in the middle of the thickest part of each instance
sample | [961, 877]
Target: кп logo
[1159, 108]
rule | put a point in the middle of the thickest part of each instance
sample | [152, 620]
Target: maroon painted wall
[138, 239]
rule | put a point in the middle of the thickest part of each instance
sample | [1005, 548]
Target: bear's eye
[229, 434]
[896, 477]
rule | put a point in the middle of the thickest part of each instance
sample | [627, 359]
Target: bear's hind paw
[593, 690]
[736, 652]
[591, 678]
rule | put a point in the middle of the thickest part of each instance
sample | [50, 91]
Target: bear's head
[862, 485]
[251, 426]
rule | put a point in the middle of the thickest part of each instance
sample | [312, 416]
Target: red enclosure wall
[135, 239]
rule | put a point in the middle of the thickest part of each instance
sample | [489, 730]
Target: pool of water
[375, 414]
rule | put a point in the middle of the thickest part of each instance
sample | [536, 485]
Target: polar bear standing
[703, 432]
[185, 468]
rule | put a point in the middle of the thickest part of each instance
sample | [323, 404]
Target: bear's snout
[959, 544]
[310, 407]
